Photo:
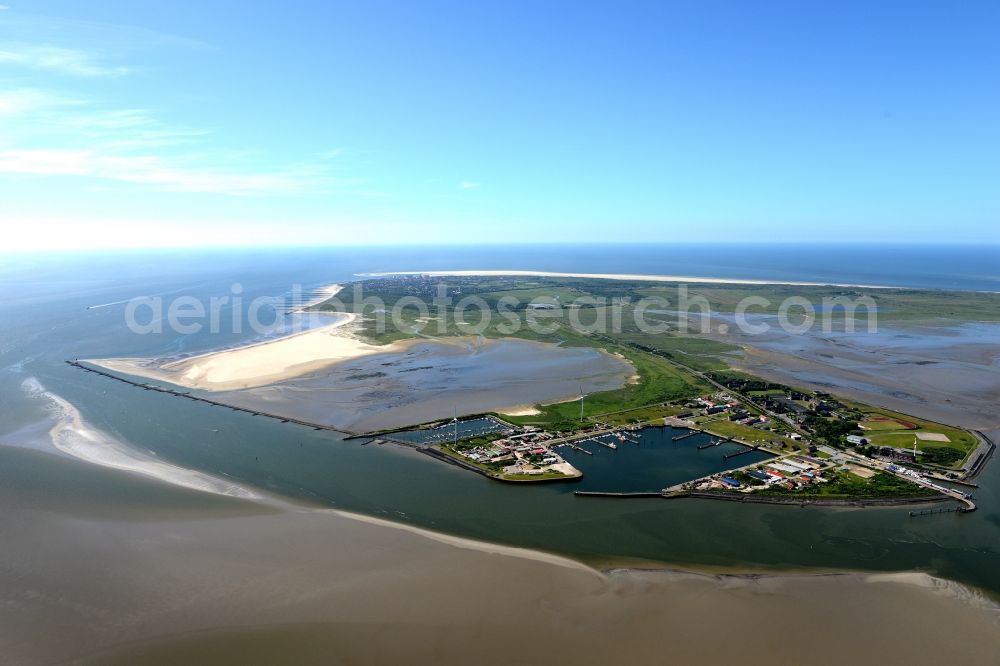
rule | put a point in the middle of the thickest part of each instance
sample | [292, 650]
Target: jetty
[751, 449]
[209, 401]
[931, 512]
[597, 493]
[686, 435]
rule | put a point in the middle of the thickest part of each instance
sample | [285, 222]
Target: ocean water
[46, 317]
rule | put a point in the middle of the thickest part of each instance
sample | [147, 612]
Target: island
[528, 378]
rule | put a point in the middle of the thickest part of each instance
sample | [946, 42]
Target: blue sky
[147, 124]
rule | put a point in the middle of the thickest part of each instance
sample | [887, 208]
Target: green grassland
[892, 304]
[948, 454]
[725, 428]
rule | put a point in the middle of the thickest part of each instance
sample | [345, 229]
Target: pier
[610, 445]
[751, 449]
[686, 435]
[931, 512]
[717, 442]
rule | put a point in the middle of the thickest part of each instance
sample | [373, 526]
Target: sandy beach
[261, 363]
[625, 276]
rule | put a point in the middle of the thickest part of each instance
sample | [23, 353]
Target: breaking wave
[72, 435]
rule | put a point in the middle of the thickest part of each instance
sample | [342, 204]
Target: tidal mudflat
[434, 379]
[85, 581]
[948, 371]
[330, 375]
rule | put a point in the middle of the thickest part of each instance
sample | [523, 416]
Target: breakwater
[816, 501]
[209, 401]
[597, 493]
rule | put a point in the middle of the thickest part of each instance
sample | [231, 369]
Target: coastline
[259, 363]
[66, 418]
[627, 276]
[294, 563]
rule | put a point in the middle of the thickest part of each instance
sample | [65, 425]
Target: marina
[445, 432]
[655, 459]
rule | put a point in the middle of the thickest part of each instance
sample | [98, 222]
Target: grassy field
[645, 414]
[726, 428]
[885, 430]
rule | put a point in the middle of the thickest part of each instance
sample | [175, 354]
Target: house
[788, 405]
[857, 440]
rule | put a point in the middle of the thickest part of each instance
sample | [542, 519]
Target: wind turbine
[582, 396]
[455, 422]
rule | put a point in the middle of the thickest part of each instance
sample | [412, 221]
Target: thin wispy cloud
[24, 100]
[47, 134]
[74, 62]
[132, 146]
[146, 170]
[466, 185]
